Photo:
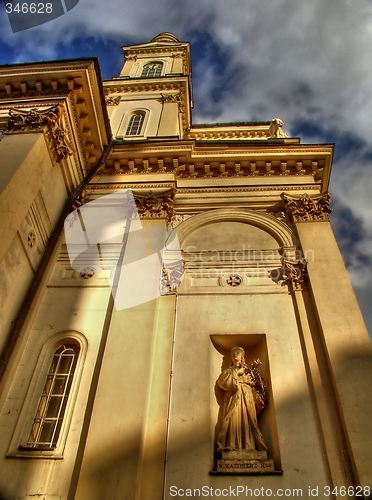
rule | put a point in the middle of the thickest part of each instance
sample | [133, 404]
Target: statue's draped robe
[239, 430]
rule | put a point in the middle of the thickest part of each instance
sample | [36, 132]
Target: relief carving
[113, 101]
[49, 121]
[304, 208]
[151, 206]
[178, 219]
[239, 440]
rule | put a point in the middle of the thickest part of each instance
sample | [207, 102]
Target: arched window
[152, 69]
[53, 401]
[135, 123]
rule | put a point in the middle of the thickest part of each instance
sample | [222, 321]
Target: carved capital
[159, 206]
[306, 208]
[295, 274]
[131, 58]
[171, 97]
[113, 101]
[48, 121]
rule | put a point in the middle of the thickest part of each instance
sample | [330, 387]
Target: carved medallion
[234, 280]
[31, 238]
[87, 273]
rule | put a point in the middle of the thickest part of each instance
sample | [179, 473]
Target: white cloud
[303, 61]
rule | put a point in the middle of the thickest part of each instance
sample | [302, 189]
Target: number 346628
[32, 8]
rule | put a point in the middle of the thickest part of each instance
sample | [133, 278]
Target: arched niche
[230, 229]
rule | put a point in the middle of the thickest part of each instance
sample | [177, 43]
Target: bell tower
[152, 95]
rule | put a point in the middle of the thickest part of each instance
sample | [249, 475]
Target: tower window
[53, 401]
[135, 124]
[152, 69]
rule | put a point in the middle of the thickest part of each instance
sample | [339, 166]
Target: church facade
[177, 319]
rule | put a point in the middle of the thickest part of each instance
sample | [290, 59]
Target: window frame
[142, 124]
[161, 63]
[18, 445]
[123, 126]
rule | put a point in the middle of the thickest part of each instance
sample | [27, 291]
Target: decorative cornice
[157, 49]
[306, 208]
[125, 185]
[152, 206]
[295, 274]
[48, 121]
[141, 85]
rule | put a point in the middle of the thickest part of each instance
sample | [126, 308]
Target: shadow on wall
[116, 471]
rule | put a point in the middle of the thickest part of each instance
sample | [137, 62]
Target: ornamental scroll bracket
[306, 208]
[171, 277]
[295, 274]
[48, 121]
[159, 206]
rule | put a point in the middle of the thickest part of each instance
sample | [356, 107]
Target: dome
[165, 37]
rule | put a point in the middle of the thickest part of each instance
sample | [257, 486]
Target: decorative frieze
[306, 208]
[47, 121]
[295, 274]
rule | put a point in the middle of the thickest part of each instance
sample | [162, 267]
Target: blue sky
[308, 63]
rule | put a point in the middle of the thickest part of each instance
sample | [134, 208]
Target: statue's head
[237, 356]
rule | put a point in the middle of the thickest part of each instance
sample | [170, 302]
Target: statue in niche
[240, 442]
